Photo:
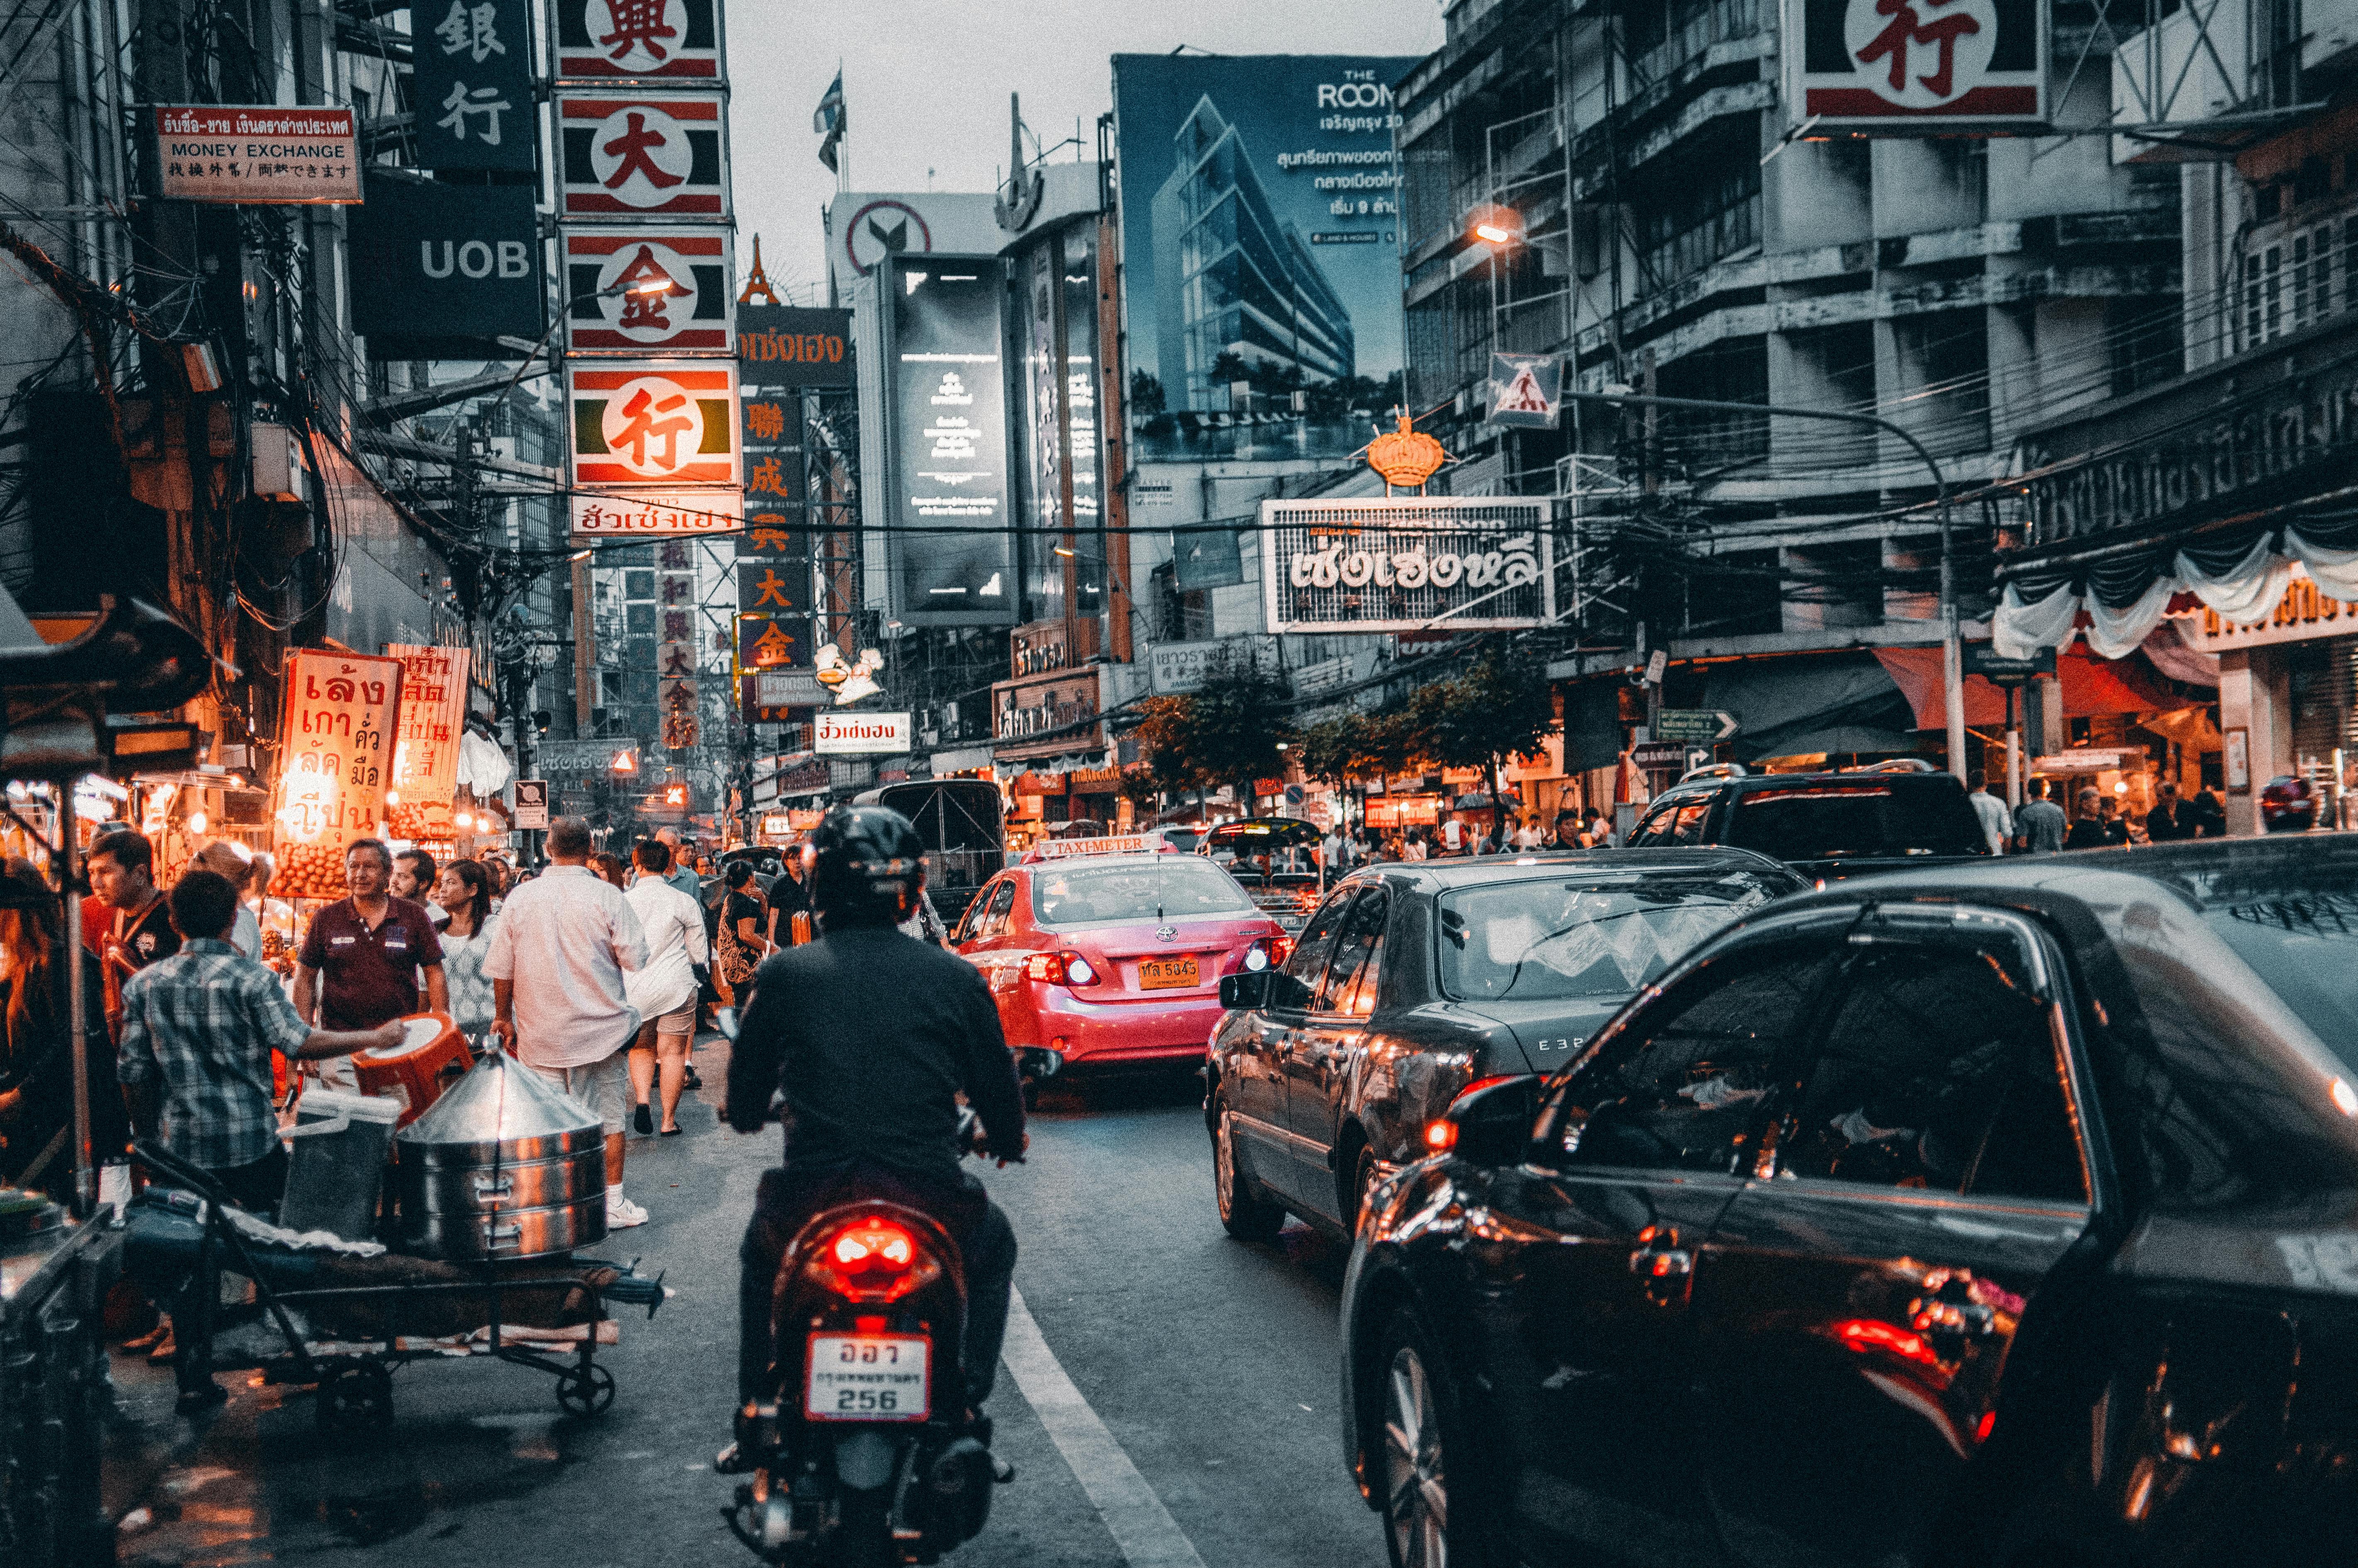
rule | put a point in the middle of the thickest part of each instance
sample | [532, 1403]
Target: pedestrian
[2170, 818]
[37, 1044]
[791, 921]
[2111, 821]
[1594, 832]
[463, 890]
[664, 993]
[359, 964]
[2038, 826]
[198, 1026]
[1567, 831]
[1412, 845]
[1453, 836]
[2209, 814]
[1997, 822]
[235, 862]
[2087, 830]
[276, 916]
[1529, 835]
[609, 867]
[741, 946]
[559, 950]
[682, 874]
[413, 879]
[135, 928]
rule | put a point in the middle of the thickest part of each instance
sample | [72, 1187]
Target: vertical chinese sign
[781, 350]
[425, 750]
[336, 743]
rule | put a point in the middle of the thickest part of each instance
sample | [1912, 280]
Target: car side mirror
[1245, 992]
[1489, 1123]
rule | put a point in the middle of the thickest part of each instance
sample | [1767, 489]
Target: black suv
[1825, 825]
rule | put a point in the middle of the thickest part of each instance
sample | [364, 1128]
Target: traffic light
[676, 794]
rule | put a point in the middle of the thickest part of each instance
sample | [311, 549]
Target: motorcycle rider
[872, 1034]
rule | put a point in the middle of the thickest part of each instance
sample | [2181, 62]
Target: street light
[1495, 225]
[652, 286]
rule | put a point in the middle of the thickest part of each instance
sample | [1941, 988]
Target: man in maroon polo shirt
[360, 963]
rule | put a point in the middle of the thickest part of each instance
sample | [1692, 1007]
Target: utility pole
[1953, 663]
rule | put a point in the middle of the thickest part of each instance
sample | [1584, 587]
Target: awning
[2090, 686]
[1782, 703]
[1837, 740]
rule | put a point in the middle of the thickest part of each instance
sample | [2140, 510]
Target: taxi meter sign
[1074, 849]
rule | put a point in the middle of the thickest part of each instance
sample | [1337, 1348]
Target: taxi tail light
[872, 1259]
[1263, 953]
[1066, 968]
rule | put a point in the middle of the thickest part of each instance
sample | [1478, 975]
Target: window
[1355, 952]
[1680, 1086]
[1162, 887]
[1656, 828]
[1688, 829]
[990, 910]
[1548, 939]
[1823, 821]
[1936, 1072]
[1296, 981]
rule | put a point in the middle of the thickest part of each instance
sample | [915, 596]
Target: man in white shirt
[559, 950]
[664, 993]
[1453, 836]
[1997, 822]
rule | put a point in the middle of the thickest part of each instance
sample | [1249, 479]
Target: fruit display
[309, 870]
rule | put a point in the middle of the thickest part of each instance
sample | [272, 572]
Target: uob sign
[436, 262]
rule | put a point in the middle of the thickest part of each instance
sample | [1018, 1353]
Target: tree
[1234, 726]
[1499, 707]
[1146, 395]
[1163, 737]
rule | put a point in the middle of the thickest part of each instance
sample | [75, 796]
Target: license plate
[1168, 974]
[867, 1377]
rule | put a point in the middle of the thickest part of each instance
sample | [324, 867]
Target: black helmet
[870, 863]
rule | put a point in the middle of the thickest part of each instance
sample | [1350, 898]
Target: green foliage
[1235, 721]
[1499, 707]
[1163, 737]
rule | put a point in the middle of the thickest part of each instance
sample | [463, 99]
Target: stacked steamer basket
[501, 1166]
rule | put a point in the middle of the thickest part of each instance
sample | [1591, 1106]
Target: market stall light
[464, 819]
[392, 798]
[196, 822]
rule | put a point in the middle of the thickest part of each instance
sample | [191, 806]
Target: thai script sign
[655, 516]
[336, 731]
[859, 734]
[784, 345]
[433, 717]
[1408, 565]
[255, 154]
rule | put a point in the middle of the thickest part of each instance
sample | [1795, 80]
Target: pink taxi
[1109, 951]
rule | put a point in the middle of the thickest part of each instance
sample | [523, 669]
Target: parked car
[1995, 1214]
[1414, 979]
[1822, 824]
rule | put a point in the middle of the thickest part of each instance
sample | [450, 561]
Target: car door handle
[1664, 1268]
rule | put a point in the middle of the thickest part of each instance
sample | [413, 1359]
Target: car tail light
[1060, 969]
[873, 1259]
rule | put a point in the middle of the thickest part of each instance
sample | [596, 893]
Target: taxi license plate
[867, 1377]
[1168, 974]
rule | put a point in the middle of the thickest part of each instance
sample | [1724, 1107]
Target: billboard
[1409, 565]
[668, 40]
[678, 284]
[655, 155]
[787, 345]
[654, 422]
[1917, 66]
[949, 443]
[438, 271]
[859, 734]
[1260, 233]
[256, 154]
[474, 89]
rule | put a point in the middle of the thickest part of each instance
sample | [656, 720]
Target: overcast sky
[927, 84]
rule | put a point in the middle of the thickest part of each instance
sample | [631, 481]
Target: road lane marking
[1140, 1526]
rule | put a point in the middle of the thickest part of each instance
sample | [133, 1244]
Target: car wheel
[1363, 1182]
[1244, 1214]
[1413, 1471]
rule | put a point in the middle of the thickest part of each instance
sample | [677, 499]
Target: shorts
[601, 1087]
[680, 1023]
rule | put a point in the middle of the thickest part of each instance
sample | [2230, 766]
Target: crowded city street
[1065, 783]
[1171, 1378]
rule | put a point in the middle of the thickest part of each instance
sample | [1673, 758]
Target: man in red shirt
[361, 960]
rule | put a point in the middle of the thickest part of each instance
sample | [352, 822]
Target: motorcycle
[862, 1455]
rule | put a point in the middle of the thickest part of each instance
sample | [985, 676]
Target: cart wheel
[355, 1396]
[586, 1390]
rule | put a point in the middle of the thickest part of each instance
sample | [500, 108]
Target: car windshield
[1545, 940]
[1821, 821]
[2304, 943]
[1149, 888]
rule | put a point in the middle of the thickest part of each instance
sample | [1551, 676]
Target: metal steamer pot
[501, 1166]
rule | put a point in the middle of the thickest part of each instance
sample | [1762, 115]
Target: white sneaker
[622, 1213]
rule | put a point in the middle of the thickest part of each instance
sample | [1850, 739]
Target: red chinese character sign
[671, 423]
[664, 40]
[432, 719]
[1906, 66]
[650, 290]
[646, 156]
[336, 738]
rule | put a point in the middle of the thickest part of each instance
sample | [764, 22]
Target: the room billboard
[1260, 227]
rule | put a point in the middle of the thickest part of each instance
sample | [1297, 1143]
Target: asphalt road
[1176, 1405]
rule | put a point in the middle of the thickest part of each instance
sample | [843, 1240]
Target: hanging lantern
[1406, 457]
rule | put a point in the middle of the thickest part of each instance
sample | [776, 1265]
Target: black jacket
[873, 1035]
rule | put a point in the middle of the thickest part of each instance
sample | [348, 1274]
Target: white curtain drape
[2245, 592]
[2020, 630]
[2114, 633]
[2336, 572]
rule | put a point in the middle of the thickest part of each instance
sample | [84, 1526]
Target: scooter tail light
[873, 1259]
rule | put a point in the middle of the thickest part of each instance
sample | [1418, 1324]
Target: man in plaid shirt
[197, 1030]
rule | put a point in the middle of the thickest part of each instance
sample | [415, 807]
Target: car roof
[1442, 876]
